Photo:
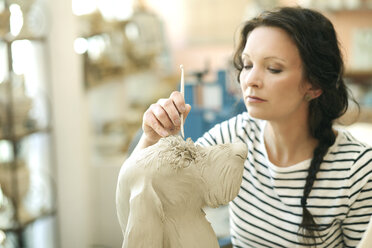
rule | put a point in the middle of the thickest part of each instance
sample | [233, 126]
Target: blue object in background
[224, 242]
[201, 119]
[367, 99]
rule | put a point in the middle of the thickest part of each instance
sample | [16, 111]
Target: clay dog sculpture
[162, 189]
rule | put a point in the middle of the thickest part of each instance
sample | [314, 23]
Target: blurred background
[77, 75]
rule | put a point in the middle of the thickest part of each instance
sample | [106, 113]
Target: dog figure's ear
[145, 221]
[223, 173]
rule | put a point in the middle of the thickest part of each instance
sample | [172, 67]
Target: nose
[251, 78]
[240, 150]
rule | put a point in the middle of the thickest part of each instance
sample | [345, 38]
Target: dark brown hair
[316, 40]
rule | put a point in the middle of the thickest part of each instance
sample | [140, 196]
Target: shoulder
[232, 130]
[346, 145]
[243, 123]
[348, 148]
[357, 155]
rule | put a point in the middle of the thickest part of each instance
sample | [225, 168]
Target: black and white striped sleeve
[360, 199]
[222, 133]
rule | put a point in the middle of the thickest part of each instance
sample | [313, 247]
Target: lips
[255, 99]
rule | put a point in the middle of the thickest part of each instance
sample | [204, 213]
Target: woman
[305, 183]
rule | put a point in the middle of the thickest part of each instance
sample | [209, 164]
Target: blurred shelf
[359, 76]
[18, 136]
[31, 221]
[25, 66]
[12, 39]
[367, 10]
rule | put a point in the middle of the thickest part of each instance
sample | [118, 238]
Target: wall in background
[71, 130]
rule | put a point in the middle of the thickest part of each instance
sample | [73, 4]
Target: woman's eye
[274, 71]
[247, 67]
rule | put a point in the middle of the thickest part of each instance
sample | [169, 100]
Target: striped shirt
[267, 211]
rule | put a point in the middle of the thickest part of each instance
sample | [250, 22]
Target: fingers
[167, 108]
[152, 126]
[163, 118]
[179, 101]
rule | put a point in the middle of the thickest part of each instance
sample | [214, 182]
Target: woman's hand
[163, 118]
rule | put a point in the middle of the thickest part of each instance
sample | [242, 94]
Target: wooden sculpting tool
[183, 94]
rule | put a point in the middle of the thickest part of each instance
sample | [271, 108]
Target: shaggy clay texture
[162, 189]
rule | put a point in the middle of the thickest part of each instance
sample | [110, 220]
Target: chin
[254, 113]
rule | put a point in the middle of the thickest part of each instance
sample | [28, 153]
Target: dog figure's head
[171, 178]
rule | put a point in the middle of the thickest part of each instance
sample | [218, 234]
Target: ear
[145, 222]
[227, 188]
[223, 175]
[315, 93]
[312, 92]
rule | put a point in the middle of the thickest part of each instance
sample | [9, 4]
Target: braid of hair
[321, 129]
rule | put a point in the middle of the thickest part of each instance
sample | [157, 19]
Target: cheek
[287, 86]
[286, 93]
[241, 81]
[286, 97]
[242, 84]
[242, 87]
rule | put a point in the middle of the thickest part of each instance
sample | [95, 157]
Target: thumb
[187, 111]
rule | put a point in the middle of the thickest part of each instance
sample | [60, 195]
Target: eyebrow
[273, 57]
[269, 57]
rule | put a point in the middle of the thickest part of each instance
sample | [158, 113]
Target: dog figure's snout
[240, 150]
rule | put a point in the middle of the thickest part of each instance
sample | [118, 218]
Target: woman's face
[272, 78]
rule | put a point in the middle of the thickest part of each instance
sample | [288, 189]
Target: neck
[188, 228]
[288, 142]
